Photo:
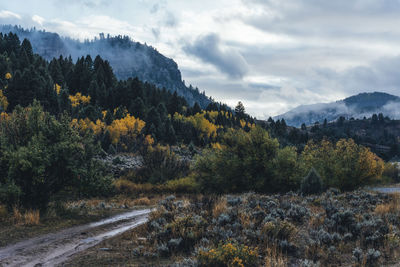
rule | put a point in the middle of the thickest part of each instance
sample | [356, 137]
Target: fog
[127, 58]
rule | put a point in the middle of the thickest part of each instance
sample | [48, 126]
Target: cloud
[340, 18]
[91, 4]
[382, 74]
[170, 20]
[156, 32]
[273, 55]
[90, 27]
[5, 14]
[391, 109]
[154, 9]
[209, 49]
[38, 19]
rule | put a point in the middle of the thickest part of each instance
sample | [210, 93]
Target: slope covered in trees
[379, 133]
[113, 109]
[357, 106]
[128, 59]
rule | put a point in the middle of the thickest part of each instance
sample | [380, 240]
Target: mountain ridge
[356, 106]
[127, 58]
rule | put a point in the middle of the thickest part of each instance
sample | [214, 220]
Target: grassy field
[357, 228]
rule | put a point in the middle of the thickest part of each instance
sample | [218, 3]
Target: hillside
[127, 58]
[357, 106]
[380, 134]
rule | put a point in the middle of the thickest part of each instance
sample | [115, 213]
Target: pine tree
[239, 110]
[27, 47]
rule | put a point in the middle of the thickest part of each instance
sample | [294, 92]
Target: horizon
[272, 56]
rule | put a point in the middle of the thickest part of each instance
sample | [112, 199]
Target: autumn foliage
[253, 161]
[129, 126]
[77, 99]
[343, 165]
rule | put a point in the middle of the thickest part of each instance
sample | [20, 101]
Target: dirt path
[55, 248]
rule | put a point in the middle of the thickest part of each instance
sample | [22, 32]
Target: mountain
[127, 58]
[357, 106]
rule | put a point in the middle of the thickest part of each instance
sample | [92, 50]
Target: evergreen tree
[196, 108]
[27, 47]
[137, 108]
[239, 110]
[55, 72]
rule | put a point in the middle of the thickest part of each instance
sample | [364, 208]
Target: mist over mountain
[357, 106]
[127, 58]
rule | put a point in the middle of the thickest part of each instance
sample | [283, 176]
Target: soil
[56, 248]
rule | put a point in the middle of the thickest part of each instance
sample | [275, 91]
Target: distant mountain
[358, 106]
[128, 58]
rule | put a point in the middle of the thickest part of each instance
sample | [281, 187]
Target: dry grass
[219, 207]
[157, 213]
[393, 206]
[127, 187]
[245, 219]
[30, 217]
[3, 213]
[144, 201]
[316, 221]
[275, 258]
[17, 216]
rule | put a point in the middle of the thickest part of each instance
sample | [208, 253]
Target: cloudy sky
[271, 54]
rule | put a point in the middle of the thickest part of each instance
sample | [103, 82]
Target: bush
[229, 254]
[281, 230]
[127, 187]
[344, 165]
[247, 161]
[160, 164]
[182, 185]
[312, 183]
[94, 182]
[10, 194]
[144, 201]
[40, 156]
[391, 172]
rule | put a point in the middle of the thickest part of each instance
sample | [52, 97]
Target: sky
[272, 55]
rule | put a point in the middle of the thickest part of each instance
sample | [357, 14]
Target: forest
[59, 106]
[60, 119]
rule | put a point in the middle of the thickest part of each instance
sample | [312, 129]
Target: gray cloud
[382, 74]
[170, 20]
[154, 9]
[155, 32]
[208, 49]
[281, 54]
[339, 18]
[87, 3]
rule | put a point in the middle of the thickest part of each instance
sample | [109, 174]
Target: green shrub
[312, 183]
[344, 164]
[282, 230]
[248, 161]
[391, 172]
[127, 187]
[41, 155]
[182, 185]
[160, 164]
[117, 160]
[94, 183]
[229, 254]
[188, 230]
[10, 194]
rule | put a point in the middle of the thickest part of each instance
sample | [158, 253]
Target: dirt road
[55, 248]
